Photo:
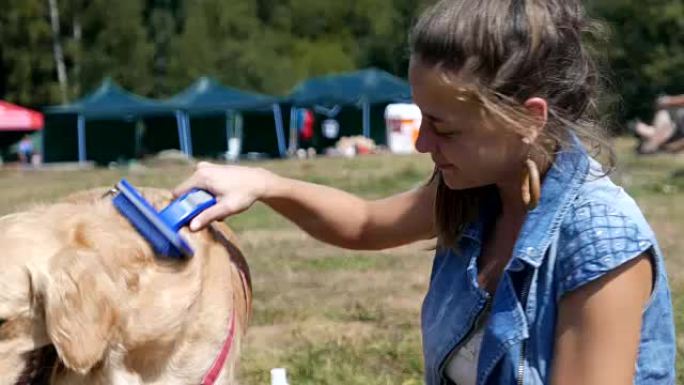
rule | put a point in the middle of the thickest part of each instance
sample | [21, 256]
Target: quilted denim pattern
[596, 239]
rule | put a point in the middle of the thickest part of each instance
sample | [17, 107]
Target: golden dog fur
[77, 276]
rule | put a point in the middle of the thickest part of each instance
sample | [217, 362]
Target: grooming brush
[161, 229]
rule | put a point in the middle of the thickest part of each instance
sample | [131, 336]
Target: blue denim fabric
[584, 227]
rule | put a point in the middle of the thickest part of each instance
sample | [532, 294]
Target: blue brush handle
[181, 211]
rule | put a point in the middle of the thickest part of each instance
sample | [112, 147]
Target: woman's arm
[344, 220]
[328, 214]
[599, 327]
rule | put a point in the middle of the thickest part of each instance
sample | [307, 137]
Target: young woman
[545, 272]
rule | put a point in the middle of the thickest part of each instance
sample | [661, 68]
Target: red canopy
[16, 118]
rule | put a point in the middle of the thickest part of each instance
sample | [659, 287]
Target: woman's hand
[235, 188]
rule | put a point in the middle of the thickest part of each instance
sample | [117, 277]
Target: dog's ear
[79, 314]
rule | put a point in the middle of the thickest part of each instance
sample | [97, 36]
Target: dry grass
[333, 316]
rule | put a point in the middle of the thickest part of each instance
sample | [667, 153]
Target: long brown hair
[515, 50]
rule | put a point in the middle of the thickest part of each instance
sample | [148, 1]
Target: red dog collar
[220, 361]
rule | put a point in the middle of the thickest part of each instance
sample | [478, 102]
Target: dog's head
[81, 291]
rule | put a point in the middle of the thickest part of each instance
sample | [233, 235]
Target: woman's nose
[425, 141]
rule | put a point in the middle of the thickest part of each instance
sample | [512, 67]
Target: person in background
[26, 150]
[667, 130]
[545, 271]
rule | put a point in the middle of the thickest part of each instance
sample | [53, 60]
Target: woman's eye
[2, 322]
[441, 130]
[446, 133]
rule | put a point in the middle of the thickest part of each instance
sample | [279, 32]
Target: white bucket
[403, 124]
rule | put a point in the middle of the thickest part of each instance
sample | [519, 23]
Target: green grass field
[332, 316]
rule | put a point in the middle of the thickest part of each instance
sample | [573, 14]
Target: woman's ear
[538, 109]
[79, 314]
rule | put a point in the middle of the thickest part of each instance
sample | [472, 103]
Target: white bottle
[279, 376]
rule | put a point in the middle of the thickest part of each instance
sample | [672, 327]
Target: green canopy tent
[341, 96]
[217, 115]
[104, 126]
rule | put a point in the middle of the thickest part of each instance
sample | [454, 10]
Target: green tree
[386, 45]
[28, 69]
[115, 44]
[161, 18]
[72, 38]
[646, 51]
[157, 47]
[213, 41]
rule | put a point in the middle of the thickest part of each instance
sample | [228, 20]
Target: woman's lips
[445, 166]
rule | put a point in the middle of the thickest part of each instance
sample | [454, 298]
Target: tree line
[55, 51]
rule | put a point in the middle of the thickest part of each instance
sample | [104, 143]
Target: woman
[563, 284]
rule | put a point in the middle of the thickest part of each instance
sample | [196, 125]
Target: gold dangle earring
[531, 185]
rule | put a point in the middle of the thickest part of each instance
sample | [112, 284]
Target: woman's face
[469, 147]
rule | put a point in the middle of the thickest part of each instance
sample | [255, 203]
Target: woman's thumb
[217, 212]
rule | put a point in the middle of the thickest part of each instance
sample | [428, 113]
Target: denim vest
[583, 227]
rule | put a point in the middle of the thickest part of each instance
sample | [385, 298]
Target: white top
[462, 366]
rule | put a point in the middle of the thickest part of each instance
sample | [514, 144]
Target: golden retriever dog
[84, 300]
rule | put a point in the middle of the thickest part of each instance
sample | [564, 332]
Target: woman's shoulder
[600, 203]
[602, 229]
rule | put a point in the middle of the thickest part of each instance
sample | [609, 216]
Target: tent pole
[42, 145]
[181, 132]
[82, 155]
[137, 151]
[366, 119]
[278, 117]
[239, 125]
[293, 131]
[228, 124]
[188, 135]
[230, 129]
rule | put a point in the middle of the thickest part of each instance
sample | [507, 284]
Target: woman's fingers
[221, 210]
[185, 186]
[200, 179]
[216, 212]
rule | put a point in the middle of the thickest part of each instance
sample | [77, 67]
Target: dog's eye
[2, 322]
